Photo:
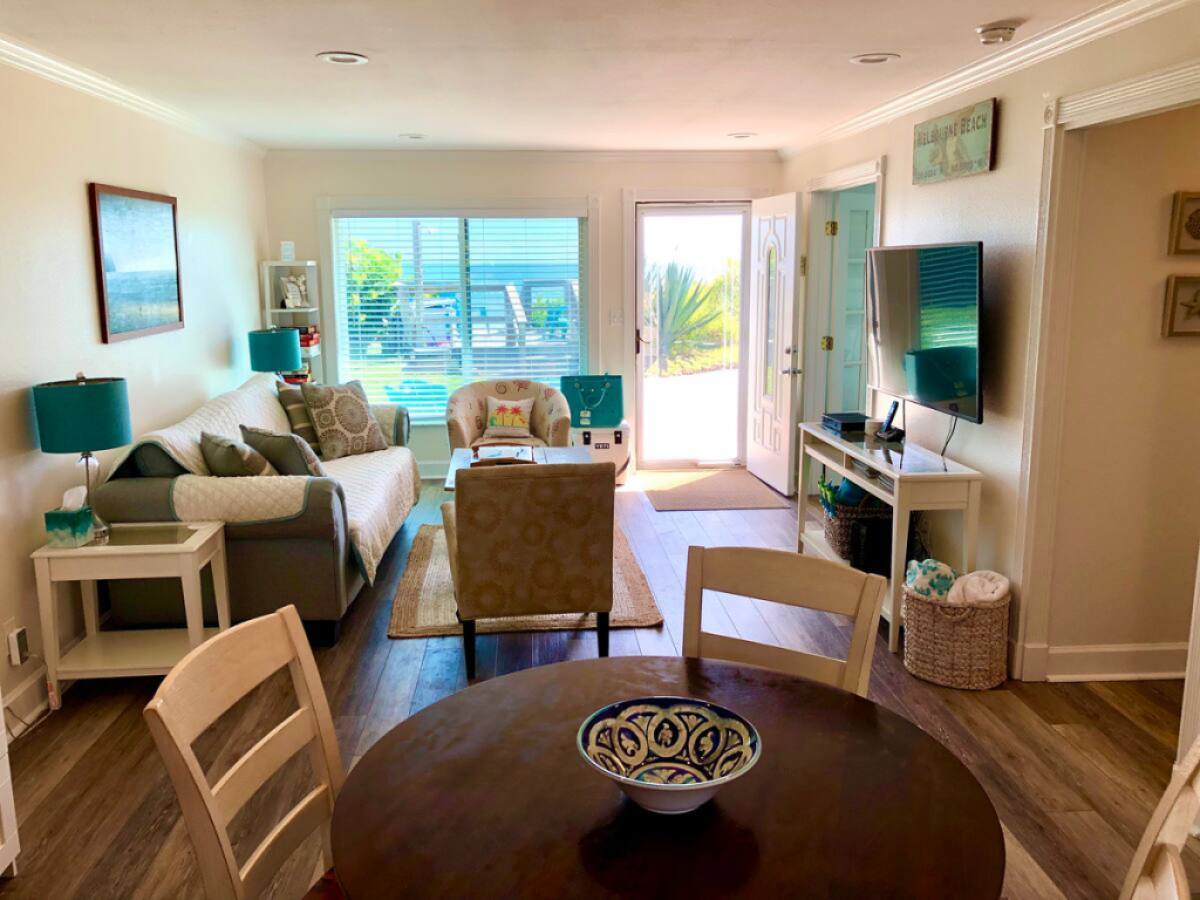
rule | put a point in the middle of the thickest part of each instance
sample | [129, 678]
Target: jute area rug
[424, 604]
[707, 489]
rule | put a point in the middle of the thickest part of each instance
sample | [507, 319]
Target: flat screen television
[924, 336]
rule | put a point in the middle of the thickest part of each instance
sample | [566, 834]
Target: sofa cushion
[342, 416]
[380, 490]
[228, 457]
[292, 399]
[289, 453]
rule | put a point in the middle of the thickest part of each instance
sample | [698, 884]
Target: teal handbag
[595, 400]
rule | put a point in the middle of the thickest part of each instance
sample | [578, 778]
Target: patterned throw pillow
[227, 457]
[292, 400]
[342, 416]
[508, 418]
[290, 454]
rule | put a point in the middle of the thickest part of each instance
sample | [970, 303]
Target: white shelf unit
[920, 480]
[10, 845]
[274, 314]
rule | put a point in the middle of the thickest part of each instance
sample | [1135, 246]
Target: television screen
[924, 334]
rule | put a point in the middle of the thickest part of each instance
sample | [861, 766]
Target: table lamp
[83, 416]
[275, 350]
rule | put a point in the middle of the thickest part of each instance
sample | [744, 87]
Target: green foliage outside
[695, 323]
[372, 275]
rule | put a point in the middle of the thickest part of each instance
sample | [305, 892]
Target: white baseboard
[1115, 662]
[434, 469]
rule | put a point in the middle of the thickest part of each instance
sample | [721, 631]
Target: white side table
[154, 550]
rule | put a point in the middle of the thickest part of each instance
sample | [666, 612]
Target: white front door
[774, 350]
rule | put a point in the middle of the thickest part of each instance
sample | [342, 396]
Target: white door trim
[630, 198]
[1046, 354]
[818, 281]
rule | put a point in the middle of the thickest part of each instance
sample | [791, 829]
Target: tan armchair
[530, 540]
[466, 413]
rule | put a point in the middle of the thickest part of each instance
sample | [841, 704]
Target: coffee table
[152, 550]
[484, 794]
[462, 458]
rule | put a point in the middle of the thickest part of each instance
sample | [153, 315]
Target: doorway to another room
[690, 277]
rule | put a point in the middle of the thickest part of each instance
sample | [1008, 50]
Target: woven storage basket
[957, 645]
[837, 528]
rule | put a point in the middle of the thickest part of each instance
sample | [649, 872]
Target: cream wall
[299, 182]
[60, 140]
[1000, 208]
[1129, 519]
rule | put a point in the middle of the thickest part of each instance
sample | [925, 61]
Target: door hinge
[803, 265]
[827, 342]
[831, 228]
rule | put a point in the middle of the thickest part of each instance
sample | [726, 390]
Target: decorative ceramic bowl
[669, 754]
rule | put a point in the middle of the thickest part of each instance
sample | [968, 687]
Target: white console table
[921, 480]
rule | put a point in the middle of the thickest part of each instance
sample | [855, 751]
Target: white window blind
[426, 304]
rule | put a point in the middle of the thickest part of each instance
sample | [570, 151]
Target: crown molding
[1151, 93]
[35, 63]
[1062, 38]
[849, 176]
[466, 154]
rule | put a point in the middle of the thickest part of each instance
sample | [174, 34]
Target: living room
[489, 135]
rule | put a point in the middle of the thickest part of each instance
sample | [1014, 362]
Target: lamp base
[101, 532]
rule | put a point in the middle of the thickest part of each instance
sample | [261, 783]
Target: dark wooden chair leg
[468, 626]
[602, 632]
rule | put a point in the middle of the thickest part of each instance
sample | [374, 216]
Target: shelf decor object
[298, 277]
[275, 350]
[83, 416]
[136, 246]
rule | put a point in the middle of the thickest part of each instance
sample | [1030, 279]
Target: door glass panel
[771, 303]
[691, 325]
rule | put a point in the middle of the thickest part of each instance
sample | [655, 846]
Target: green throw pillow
[227, 457]
[153, 461]
[292, 400]
[290, 454]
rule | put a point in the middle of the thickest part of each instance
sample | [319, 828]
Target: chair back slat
[215, 676]
[206, 683]
[311, 813]
[262, 761]
[1157, 872]
[782, 577]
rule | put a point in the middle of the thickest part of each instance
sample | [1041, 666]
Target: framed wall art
[1185, 223]
[1181, 307]
[136, 244]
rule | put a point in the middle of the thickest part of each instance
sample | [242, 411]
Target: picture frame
[956, 144]
[294, 290]
[135, 241]
[1181, 307]
[1184, 237]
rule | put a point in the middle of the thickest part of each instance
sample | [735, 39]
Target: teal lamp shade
[275, 350]
[82, 415]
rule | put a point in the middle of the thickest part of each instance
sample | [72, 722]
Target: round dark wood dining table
[484, 794]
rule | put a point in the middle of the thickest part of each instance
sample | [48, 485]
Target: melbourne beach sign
[960, 143]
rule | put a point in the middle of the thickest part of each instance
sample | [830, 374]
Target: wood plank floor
[1073, 769]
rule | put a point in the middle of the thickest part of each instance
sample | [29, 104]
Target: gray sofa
[310, 541]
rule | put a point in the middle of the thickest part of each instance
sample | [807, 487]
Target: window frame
[586, 209]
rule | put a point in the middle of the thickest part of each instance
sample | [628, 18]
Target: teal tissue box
[69, 527]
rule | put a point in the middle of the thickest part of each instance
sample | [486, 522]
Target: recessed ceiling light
[874, 59]
[342, 58]
[411, 136]
[996, 33]
[742, 135]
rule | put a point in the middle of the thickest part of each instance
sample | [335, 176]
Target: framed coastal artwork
[955, 145]
[136, 244]
[1185, 223]
[1181, 307]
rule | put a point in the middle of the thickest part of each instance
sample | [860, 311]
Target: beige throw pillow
[508, 418]
[292, 400]
[342, 416]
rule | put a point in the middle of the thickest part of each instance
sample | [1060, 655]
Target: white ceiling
[507, 74]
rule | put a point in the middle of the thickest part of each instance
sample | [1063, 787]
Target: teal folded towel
[929, 578]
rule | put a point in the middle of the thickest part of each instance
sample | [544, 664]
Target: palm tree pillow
[508, 418]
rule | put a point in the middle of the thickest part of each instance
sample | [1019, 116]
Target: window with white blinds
[426, 304]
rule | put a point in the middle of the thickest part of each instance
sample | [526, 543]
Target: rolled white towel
[978, 587]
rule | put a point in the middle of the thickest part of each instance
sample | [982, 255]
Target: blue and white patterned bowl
[669, 754]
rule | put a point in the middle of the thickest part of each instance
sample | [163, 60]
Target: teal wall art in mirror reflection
[954, 145]
[136, 244]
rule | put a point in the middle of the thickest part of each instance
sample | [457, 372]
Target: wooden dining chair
[198, 691]
[1157, 871]
[796, 580]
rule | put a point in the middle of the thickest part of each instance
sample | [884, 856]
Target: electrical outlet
[18, 646]
[7, 627]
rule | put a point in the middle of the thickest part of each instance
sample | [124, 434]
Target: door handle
[791, 371]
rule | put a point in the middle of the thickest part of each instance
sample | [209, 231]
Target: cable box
[845, 423]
